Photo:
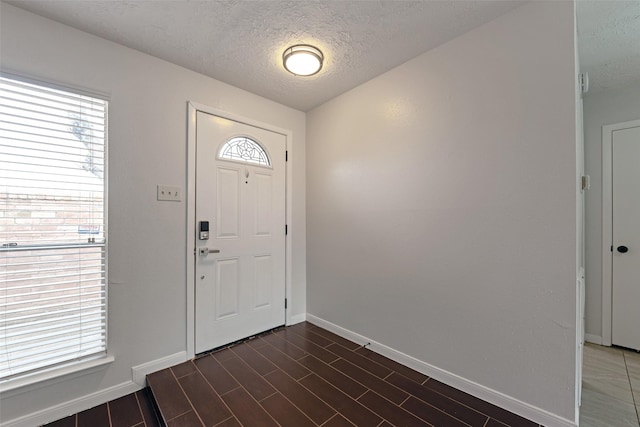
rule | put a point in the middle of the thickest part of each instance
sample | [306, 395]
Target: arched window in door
[244, 149]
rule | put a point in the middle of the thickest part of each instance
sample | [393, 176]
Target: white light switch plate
[169, 193]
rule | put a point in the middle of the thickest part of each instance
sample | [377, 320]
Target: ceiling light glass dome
[302, 60]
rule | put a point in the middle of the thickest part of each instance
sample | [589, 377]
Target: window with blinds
[52, 227]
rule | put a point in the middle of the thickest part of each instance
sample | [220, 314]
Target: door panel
[227, 288]
[228, 202]
[240, 282]
[263, 213]
[263, 268]
[626, 234]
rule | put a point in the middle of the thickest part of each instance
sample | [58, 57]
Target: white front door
[240, 198]
[626, 237]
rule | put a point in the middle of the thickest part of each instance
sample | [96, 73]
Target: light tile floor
[610, 387]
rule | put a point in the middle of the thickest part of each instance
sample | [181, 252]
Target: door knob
[623, 249]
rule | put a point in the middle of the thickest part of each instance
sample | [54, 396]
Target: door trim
[607, 225]
[193, 108]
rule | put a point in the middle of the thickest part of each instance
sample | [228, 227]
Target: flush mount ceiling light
[302, 60]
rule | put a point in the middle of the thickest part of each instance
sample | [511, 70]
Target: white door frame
[607, 225]
[193, 108]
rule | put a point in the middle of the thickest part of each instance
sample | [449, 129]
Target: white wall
[441, 208]
[601, 108]
[147, 146]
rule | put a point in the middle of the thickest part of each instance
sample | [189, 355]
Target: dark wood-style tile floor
[299, 376]
[135, 409]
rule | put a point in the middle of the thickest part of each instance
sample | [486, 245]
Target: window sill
[27, 383]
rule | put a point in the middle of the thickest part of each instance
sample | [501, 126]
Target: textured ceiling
[241, 42]
[609, 42]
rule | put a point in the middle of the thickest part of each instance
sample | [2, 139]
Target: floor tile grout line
[608, 355]
[372, 361]
[396, 372]
[364, 346]
[247, 391]
[439, 409]
[254, 399]
[290, 343]
[233, 415]
[257, 352]
[346, 349]
[464, 404]
[284, 397]
[355, 351]
[302, 385]
[244, 388]
[471, 407]
[288, 357]
[193, 408]
[227, 392]
[227, 419]
[331, 406]
[306, 376]
[337, 414]
[503, 423]
[109, 414]
[405, 400]
[211, 385]
[408, 394]
[236, 379]
[633, 396]
[325, 402]
[140, 408]
[362, 394]
[332, 340]
[344, 373]
[188, 400]
[311, 331]
[179, 415]
[602, 396]
[271, 395]
[309, 342]
[394, 404]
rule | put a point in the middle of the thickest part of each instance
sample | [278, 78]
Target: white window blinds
[52, 227]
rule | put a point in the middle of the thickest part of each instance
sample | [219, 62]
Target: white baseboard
[594, 339]
[71, 407]
[482, 392]
[297, 318]
[139, 373]
[138, 382]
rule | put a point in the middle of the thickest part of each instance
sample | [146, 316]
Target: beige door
[240, 268]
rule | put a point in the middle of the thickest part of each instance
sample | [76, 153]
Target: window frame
[241, 161]
[52, 374]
